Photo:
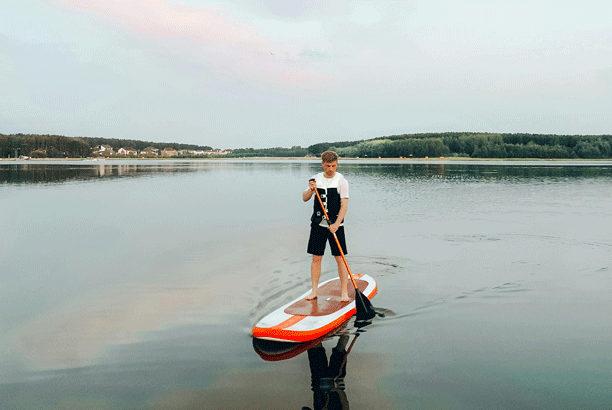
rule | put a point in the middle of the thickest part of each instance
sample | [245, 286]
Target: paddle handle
[335, 237]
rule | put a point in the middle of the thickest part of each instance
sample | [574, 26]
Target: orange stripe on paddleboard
[289, 322]
[267, 331]
[302, 335]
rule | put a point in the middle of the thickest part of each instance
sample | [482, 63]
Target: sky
[282, 73]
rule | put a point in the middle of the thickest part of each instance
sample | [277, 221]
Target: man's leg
[343, 274]
[315, 274]
[342, 271]
[316, 247]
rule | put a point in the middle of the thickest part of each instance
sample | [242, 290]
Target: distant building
[214, 152]
[104, 150]
[149, 152]
[169, 152]
[130, 152]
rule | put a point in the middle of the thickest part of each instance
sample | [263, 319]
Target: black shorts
[319, 236]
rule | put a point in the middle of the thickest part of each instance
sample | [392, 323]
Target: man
[334, 191]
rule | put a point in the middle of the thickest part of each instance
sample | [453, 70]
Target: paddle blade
[365, 310]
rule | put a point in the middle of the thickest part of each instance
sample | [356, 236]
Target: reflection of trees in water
[480, 171]
[57, 173]
[23, 173]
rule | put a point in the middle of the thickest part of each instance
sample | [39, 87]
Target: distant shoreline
[451, 146]
[441, 159]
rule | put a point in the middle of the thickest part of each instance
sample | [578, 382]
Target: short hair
[329, 156]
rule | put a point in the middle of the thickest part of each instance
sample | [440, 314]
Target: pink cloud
[161, 19]
[230, 43]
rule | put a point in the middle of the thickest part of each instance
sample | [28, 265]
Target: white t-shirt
[324, 182]
[343, 185]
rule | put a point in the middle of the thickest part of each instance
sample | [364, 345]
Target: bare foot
[312, 296]
[344, 297]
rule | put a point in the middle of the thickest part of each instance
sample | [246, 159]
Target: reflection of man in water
[327, 380]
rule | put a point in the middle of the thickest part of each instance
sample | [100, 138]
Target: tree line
[295, 151]
[140, 145]
[58, 146]
[451, 144]
[53, 146]
[475, 145]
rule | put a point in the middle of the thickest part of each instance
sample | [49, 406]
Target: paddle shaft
[347, 353]
[336, 238]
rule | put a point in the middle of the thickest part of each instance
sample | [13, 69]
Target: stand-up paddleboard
[303, 320]
[273, 351]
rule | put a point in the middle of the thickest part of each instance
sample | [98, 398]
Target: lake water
[135, 284]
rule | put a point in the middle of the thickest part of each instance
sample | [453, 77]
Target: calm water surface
[134, 285]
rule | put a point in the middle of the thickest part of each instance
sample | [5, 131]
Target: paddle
[365, 310]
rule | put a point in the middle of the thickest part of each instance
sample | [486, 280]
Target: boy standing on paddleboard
[333, 189]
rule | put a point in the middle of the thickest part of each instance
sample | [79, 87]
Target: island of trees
[432, 145]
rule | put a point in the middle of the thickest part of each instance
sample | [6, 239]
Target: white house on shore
[107, 151]
[210, 152]
[130, 152]
[103, 150]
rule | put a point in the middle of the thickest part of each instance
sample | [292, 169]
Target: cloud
[207, 35]
[160, 19]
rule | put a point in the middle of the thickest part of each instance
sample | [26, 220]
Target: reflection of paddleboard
[303, 320]
[273, 351]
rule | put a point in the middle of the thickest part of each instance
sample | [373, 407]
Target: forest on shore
[432, 145]
[456, 144]
[59, 146]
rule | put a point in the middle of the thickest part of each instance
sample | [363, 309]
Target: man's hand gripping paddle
[365, 310]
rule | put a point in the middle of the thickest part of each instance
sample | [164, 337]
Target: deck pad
[327, 301]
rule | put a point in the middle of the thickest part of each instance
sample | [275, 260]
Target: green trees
[57, 146]
[408, 147]
[52, 146]
[467, 144]
[295, 151]
[476, 145]
[596, 148]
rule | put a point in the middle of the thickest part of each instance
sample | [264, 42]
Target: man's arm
[306, 195]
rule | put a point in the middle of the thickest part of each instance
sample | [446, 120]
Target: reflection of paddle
[347, 352]
[365, 310]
